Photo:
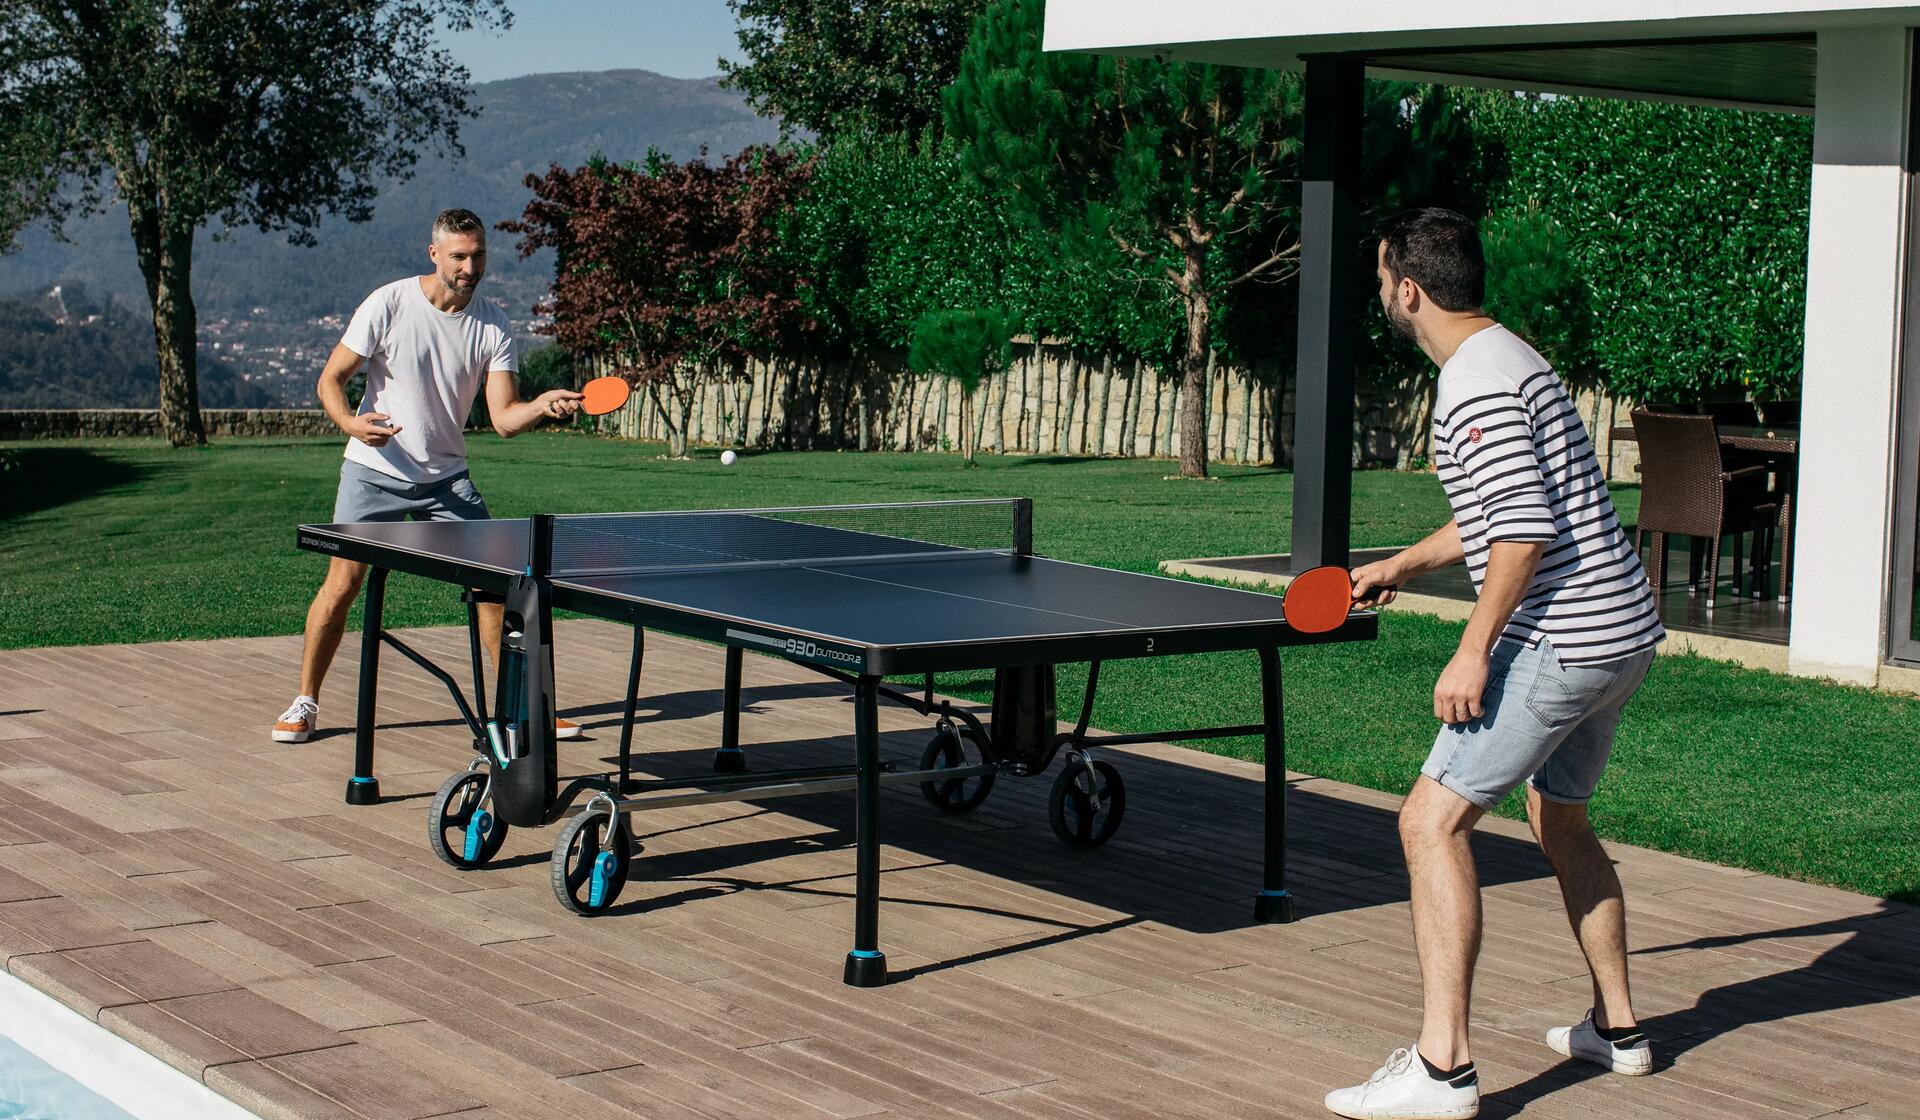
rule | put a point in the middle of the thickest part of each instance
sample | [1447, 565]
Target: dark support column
[730, 759]
[363, 788]
[1329, 274]
[866, 964]
[1274, 904]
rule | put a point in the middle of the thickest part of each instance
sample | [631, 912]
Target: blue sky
[679, 38]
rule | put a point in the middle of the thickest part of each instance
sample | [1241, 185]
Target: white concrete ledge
[140, 1084]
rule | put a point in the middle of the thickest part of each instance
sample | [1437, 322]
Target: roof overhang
[1748, 55]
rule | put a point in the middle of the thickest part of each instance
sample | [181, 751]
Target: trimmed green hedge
[1689, 226]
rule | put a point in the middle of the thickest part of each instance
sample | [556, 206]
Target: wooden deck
[204, 893]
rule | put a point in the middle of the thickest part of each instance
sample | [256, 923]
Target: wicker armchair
[1686, 489]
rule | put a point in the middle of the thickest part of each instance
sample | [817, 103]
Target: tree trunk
[166, 263]
[659, 410]
[1194, 368]
[686, 399]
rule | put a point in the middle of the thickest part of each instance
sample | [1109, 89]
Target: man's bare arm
[1440, 549]
[372, 428]
[1510, 565]
[511, 415]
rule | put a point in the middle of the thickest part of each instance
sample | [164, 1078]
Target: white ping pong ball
[727, 458]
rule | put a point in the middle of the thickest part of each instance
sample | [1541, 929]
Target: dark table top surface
[817, 581]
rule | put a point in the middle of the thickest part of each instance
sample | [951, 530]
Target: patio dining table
[1770, 440]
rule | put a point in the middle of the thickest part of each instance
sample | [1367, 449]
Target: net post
[540, 545]
[1023, 526]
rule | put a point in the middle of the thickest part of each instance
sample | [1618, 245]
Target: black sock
[1459, 1076]
[1619, 1036]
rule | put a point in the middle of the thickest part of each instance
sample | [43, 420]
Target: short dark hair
[1439, 250]
[458, 221]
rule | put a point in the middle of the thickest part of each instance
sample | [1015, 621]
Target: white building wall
[1855, 274]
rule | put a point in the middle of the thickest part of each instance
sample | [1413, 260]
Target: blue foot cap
[363, 791]
[1273, 906]
[866, 968]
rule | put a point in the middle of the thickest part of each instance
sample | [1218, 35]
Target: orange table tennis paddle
[1317, 600]
[604, 394]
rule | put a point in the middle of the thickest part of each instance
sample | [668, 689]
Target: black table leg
[633, 703]
[1274, 903]
[730, 759]
[363, 788]
[866, 964]
[479, 670]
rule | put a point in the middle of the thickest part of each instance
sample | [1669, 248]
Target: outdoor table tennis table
[859, 593]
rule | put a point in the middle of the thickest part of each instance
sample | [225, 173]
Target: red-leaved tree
[669, 270]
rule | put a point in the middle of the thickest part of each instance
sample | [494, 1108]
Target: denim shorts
[1544, 723]
[370, 495]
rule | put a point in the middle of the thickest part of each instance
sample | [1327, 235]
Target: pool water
[30, 1089]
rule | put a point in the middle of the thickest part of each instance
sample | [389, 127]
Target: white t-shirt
[424, 366]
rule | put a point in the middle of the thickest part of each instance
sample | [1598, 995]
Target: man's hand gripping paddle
[1319, 599]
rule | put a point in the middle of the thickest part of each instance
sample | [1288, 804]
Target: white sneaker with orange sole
[297, 723]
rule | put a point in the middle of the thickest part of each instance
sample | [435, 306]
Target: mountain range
[271, 311]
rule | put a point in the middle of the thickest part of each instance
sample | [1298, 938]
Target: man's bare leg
[1436, 827]
[491, 617]
[327, 621]
[1596, 906]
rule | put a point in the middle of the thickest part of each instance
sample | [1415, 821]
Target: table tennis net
[621, 543]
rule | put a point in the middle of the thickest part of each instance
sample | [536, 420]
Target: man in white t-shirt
[1562, 634]
[428, 346]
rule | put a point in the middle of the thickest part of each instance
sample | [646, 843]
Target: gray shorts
[370, 495]
[1542, 722]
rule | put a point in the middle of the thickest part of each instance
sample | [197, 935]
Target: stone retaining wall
[89, 423]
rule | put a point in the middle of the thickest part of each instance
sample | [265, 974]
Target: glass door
[1903, 616]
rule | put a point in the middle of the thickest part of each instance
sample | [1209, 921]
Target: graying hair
[458, 221]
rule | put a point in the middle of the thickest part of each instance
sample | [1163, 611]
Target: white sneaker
[1632, 1056]
[297, 723]
[1402, 1090]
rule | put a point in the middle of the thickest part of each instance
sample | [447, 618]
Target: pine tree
[1166, 160]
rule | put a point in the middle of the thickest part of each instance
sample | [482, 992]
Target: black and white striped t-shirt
[1517, 466]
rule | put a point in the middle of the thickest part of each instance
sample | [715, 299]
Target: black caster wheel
[1085, 809]
[587, 879]
[952, 795]
[462, 828]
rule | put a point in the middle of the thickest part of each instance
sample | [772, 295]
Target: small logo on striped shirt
[1473, 435]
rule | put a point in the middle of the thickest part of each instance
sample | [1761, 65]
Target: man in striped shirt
[1560, 638]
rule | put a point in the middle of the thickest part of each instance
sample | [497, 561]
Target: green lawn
[121, 541]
